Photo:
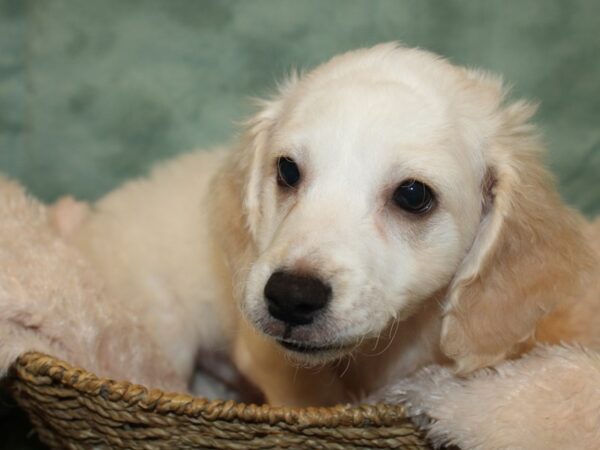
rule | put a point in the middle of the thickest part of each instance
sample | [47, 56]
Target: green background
[94, 92]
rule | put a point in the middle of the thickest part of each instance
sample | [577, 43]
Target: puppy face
[380, 178]
[368, 189]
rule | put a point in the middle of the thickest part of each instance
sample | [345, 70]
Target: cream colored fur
[498, 266]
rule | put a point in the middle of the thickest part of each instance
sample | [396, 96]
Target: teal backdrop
[95, 91]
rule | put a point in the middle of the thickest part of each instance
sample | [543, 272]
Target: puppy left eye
[288, 173]
[413, 197]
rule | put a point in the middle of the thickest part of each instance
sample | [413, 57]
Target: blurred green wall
[95, 91]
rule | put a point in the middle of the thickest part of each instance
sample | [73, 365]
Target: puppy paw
[426, 396]
[451, 410]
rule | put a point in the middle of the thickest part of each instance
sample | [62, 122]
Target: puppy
[386, 211]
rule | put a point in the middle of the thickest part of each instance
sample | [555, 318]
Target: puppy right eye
[414, 197]
[288, 173]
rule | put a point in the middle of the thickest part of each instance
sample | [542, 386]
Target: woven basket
[74, 409]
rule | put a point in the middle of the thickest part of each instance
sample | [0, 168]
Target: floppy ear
[528, 255]
[237, 187]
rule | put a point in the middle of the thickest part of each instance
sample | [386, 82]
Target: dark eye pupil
[288, 173]
[413, 196]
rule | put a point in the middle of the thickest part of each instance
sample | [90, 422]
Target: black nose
[295, 299]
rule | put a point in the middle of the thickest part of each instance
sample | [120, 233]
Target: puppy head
[365, 187]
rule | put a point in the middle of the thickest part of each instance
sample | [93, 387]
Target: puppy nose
[295, 299]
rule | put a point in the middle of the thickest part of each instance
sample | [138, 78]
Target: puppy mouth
[306, 348]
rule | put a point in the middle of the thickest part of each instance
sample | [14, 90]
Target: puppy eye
[413, 197]
[288, 173]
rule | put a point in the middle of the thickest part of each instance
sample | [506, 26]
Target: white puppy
[386, 211]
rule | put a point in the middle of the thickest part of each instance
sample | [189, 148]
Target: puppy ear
[237, 188]
[527, 257]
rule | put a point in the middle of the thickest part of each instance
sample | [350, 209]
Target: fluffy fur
[546, 400]
[51, 301]
[499, 264]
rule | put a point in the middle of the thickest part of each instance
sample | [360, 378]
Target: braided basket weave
[74, 409]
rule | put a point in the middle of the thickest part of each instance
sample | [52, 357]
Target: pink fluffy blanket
[51, 301]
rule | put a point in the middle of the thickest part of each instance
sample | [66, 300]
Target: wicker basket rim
[39, 366]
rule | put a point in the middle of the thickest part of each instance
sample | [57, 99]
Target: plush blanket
[51, 301]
